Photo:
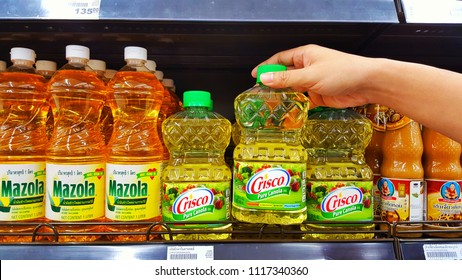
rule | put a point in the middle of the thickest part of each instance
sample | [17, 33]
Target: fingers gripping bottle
[339, 182]
[134, 151]
[197, 181]
[23, 140]
[443, 177]
[269, 161]
[76, 152]
[401, 185]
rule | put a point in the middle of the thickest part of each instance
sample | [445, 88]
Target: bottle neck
[77, 61]
[21, 65]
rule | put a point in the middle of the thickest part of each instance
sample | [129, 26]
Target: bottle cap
[151, 65]
[77, 51]
[2, 65]
[168, 82]
[97, 65]
[159, 75]
[110, 73]
[269, 68]
[135, 53]
[22, 53]
[45, 65]
[210, 106]
[196, 98]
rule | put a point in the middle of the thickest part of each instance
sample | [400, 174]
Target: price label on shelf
[431, 11]
[71, 9]
[190, 253]
[443, 251]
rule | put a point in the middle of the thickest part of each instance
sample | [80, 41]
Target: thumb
[296, 78]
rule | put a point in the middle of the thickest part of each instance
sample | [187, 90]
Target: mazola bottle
[76, 151]
[134, 150]
[106, 120]
[401, 185]
[47, 68]
[339, 182]
[23, 142]
[269, 161]
[443, 178]
[197, 181]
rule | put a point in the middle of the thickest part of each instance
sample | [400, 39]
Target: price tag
[190, 253]
[443, 251]
[71, 9]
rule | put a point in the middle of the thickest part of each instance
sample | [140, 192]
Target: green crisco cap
[196, 98]
[265, 68]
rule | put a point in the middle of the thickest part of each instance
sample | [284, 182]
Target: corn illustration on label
[269, 186]
[132, 191]
[401, 199]
[339, 201]
[75, 192]
[22, 191]
[444, 201]
[196, 201]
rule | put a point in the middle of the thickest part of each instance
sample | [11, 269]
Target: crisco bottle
[443, 177]
[401, 185]
[23, 141]
[339, 182]
[76, 151]
[269, 161]
[196, 181]
[134, 151]
[47, 68]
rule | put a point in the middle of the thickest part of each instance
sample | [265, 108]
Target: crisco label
[195, 202]
[75, 192]
[340, 201]
[269, 186]
[401, 199]
[132, 191]
[444, 200]
[22, 191]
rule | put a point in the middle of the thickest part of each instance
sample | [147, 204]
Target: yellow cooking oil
[269, 169]
[196, 188]
[339, 182]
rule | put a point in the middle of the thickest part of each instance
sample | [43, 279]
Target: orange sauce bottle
[443, 177]
[401, 185]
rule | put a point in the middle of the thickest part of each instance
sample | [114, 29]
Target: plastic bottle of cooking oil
[134, 151]
[23, 140]
[339, 182]
[106, 120]
[269, 161]
[76, 151]
[197, 182]
[47, 68]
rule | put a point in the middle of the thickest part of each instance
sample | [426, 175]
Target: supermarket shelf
[205, 10]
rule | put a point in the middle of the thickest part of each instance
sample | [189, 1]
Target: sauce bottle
[443, 177]
[401, 185]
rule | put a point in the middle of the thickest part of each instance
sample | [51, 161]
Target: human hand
[331, 78]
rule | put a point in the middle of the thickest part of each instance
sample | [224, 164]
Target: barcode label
[190, 253]
[443, 251]
[71, 9]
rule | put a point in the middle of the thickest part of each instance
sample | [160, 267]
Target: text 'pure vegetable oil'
[269, 161]
[197, 182]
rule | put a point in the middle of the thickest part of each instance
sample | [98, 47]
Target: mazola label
[268, 183]
[193, 203]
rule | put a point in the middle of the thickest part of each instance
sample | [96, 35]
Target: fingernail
[267, 78]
